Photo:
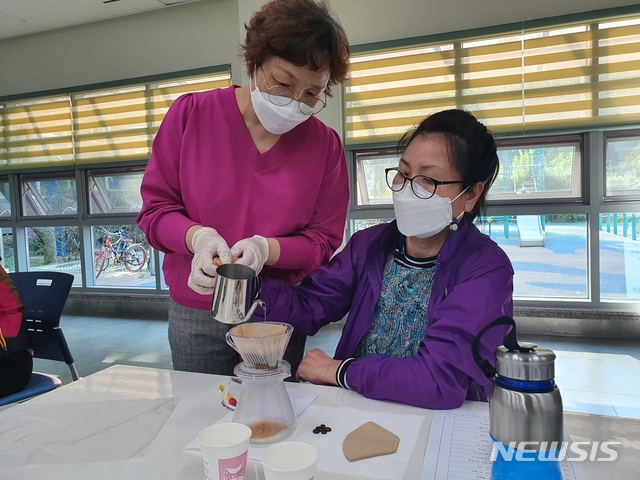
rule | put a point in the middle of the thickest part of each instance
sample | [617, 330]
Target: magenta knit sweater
[205, 169]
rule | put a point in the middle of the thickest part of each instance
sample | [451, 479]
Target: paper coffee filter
[262, 344]
[261, 329]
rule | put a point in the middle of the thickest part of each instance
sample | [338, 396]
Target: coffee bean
[322, 428]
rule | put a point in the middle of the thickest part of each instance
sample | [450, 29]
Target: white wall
[369, 21]
[208, 33]
[178, 38]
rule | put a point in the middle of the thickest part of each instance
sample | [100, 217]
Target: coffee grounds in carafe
[266, 429]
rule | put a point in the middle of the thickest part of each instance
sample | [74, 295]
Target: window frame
[106, 172]
[532, 142]
[39, 177]
[83, 219]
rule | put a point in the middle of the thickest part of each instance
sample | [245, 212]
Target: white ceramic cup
[290, 461]
[224, 449]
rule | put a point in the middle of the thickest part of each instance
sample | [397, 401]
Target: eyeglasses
[422, 186]
[281, 96]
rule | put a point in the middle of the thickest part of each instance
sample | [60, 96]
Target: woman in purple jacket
[416, 290]
[250, 174]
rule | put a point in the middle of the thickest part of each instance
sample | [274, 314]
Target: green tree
[557, 169]
[623, 165]
[47, 238]
[523, 174]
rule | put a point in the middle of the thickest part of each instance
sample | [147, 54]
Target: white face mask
[417, 217]
[276, 119]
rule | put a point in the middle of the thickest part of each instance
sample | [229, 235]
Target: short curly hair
[302, 32]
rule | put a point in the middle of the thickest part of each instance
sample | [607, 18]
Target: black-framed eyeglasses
[422, 186]
[281, 96]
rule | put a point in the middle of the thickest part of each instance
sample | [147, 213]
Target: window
[7, 251]
[530, 170]
[362, 223]
[122, 257]
[5, 198]
[115, 191]
[548, 253]
[534, 169]
[619, 256]
[46, 196]
[55, 248]
[371, 185]
[622, 168]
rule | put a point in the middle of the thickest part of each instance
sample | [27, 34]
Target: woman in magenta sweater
[249, 173]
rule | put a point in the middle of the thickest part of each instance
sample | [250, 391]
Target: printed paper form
[459, 448]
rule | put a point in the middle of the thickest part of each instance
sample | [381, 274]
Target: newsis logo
[554, 451]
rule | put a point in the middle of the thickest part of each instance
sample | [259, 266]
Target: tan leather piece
[369, 440]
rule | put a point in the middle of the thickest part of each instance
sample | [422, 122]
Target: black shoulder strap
[510, 341]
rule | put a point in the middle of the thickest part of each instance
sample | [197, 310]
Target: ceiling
[23, 17]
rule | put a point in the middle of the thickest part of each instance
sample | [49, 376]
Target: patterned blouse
[400, 317]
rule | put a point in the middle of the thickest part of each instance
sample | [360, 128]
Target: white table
[196, 398]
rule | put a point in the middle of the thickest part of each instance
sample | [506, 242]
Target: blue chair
[38, 384]
[44, 295]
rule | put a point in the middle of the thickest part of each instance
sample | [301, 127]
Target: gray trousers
[198, 343]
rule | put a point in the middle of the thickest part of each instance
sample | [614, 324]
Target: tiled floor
[594, 376]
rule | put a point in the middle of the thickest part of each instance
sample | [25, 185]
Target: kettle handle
[510, 341]
[258, 288]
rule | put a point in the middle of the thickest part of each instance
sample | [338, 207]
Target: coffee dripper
[263, 404]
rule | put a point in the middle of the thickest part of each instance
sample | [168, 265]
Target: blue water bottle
[525, 409]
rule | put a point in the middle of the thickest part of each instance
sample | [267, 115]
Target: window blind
[107, 125]
[119, 124]
[36, 133]
[576, 75]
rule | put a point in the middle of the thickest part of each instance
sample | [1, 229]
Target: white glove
[252, 252]
[207, 246]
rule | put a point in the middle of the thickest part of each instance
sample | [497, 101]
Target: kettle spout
[255, 303]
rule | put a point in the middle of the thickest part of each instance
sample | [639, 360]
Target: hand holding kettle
[252, 252]
[207, 246]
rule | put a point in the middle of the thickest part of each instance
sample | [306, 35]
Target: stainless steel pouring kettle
[235, 296]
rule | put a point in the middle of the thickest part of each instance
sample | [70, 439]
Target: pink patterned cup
[224, 449]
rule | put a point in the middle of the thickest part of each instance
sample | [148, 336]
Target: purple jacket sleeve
[323, 297]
